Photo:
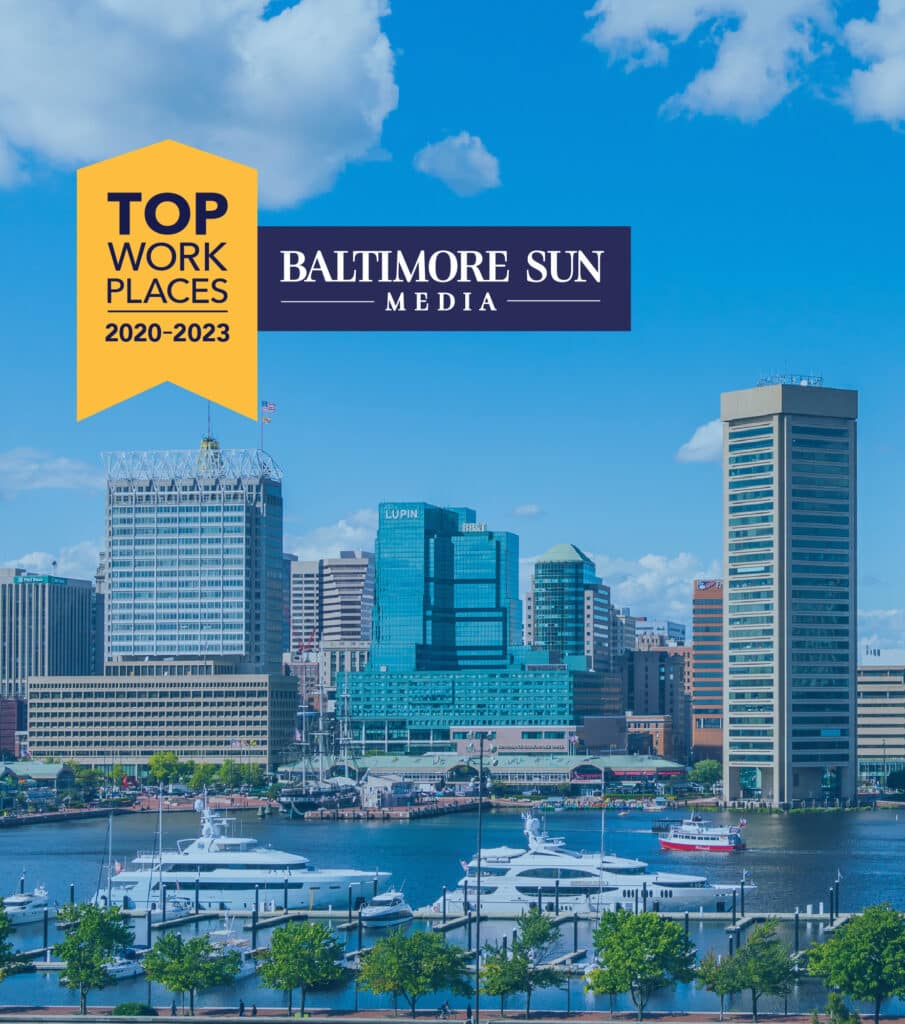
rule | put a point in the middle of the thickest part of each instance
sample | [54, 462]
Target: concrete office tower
[881, 720]
[46, 626]
[286, 602]
[567, 611]
[707, 670]
[347, 596]
[790, 453]
[622, 636]
[654, 686]
[332, 600]
[305, 607]
[194, 556]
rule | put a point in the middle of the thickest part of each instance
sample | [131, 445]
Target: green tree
[88, 781]
[763, 966]
[202, 776]
[896, 780]
[252, 775]
[117, 774]
[639, 954]
[838, 1011]
[523, 970]
[190, 965]
[706, 773]
[719, 976]
[302, 955]
[865, 959]
[413, 965]
[537, 935]
[10, 960]
[500, 975]
[229, 775]
[164, 766]
[93, 937]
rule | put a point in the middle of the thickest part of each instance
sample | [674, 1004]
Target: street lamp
[481, 736]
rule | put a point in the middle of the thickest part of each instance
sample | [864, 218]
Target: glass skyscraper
[790, 612]
[568, 610]
[446, 647]
[194, 559]
[446, 591]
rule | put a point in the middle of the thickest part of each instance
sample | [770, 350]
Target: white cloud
[79, 561]
[658, 586]
[704, 445]
[462, 162]
[28, 469]
[882, 628]
[356, 532]
[526, 510]
[762, 47]
[299, 95]
[877, 93]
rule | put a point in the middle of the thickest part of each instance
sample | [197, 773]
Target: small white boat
[225, 940]
[120, 967]
[27, 907]
[388, 908]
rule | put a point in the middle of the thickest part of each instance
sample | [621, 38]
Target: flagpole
[261, 414]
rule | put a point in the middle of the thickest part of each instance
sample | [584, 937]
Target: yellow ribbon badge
[167, 278]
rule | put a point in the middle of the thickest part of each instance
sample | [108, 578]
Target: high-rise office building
[567, 611]
[304, 607]
[46, 626]
[447, 591]
[622, 636]
[790, 606]
[881, 720]
[446, 653]
[194, 556]
[332, 600]
[286, 608]
[655, 687]
[193, 580]
[707, 670]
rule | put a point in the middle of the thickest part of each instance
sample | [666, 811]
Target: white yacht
[27, 907]
[388, 908]
[226, 870]
[554, 877]
[120, 967]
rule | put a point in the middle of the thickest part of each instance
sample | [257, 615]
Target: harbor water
[792, 860]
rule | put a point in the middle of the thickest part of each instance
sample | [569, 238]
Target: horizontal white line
[329, 301]
[554, 300]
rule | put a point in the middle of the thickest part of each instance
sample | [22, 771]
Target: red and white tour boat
[699, 834]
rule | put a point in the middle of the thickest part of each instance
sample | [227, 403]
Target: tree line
[635, 954]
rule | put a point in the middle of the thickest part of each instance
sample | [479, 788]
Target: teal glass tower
[568, 611]
[446, 591]
[446, 649]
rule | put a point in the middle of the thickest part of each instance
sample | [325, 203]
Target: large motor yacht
[223, 871]
[26, 907]
[550, 876]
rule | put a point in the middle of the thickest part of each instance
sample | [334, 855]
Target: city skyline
[736, 275]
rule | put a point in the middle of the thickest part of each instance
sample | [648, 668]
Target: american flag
[268, 407]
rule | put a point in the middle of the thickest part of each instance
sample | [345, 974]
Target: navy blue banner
[444, 279]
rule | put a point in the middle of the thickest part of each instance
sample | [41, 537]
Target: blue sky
[754, 146]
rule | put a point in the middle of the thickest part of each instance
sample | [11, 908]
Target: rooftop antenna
[208, 419]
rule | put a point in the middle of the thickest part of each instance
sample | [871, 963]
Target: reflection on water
[792, 860]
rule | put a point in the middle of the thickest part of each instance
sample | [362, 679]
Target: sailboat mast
[110, 860]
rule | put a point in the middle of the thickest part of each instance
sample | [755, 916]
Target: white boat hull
[30, 916]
